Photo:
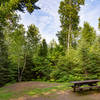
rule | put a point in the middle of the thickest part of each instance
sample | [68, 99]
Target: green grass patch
[54, 89]
[5, 94]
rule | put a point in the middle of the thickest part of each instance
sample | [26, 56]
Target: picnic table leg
[74, 88]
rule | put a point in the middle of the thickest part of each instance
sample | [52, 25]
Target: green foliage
[41, 68]
[43, 51]
[62, 38]
[95, 58]
[4, 62]
[7, 17]
[89, 59]
[10, 5]
[65, 66]
[25, 57]
[33, 36]
[69, 19]
[99, 24]
[88, 34]
[28, 74]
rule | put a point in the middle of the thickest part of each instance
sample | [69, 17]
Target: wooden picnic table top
[86, 81]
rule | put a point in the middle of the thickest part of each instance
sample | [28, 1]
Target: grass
[40, 91]
[7, 93]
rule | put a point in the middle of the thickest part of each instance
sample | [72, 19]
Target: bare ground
[57, 95]
[30, 85]
[62, 96]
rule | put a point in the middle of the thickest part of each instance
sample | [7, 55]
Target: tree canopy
[26, 56]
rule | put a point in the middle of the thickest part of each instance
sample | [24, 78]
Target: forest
[26, 56]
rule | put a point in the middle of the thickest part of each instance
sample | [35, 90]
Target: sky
[47, 18]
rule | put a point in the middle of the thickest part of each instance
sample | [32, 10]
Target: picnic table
[77, 85]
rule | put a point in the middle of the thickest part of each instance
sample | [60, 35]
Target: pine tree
[62, 39]
[3, 60]
[43, 51]
[7, 7]
[99, 24]
[33, 39]
[88, 34]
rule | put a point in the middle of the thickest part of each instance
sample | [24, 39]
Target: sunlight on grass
[49, 90]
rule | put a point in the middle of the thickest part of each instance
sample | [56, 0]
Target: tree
[69, 18]
[33, 39]
[43, 51]
[95, 59]
[88, 34]
[3, 61]
[28, 74]
[7, 8]
[9, 67]
[32, 43]
[87, 39]
[62, 39]
[11, 5]
[99, 24]
[22, 47]
[83, 52]
[18, 50]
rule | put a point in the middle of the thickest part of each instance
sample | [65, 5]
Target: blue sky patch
[48, 22]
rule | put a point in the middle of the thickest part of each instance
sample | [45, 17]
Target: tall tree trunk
[69, 37]
[69, 30]
[18, 70]
[22, 71]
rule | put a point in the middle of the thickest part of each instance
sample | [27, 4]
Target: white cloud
[47, 19]
[92, 0]
[91, 15]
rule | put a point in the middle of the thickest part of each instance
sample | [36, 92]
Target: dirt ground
[63, 96]
[58, 95]
[27, 85]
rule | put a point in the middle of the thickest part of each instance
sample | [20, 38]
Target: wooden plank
[91, 87]
[85, 88]
[86, 81]
[91, 84]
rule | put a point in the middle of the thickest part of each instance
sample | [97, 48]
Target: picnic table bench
[77, 85]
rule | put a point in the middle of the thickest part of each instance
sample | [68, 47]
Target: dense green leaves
[20, 5]
[69, 19]
[33, 36]
[24, 56]
[88, 34]
[43, 51]
[99, 24]
[8, 23]
[3, 61]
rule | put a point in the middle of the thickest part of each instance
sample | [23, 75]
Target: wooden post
[74, 87]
